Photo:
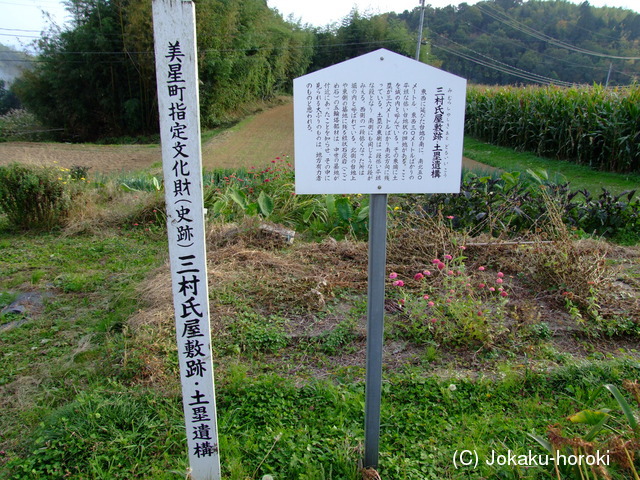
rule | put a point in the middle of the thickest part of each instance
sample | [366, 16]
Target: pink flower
[491, 289]
[450, 217]
[482, 285]
[503, 293]
[452, 291]
[434, 320]
[435, 261]
[462, 247]
[398, 283]
[393, 275]
[481, 269]
[448, 257]
[418, 276]
[500, 274]
[499, 280]
[479, 313]
[441, 266]
[401, 301]
[448, 300]
[450, 272]
[427, 273]
[426, 297]
[431, 304]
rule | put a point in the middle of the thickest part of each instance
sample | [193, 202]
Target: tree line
[96, 79]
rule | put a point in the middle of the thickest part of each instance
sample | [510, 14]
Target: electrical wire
[521, 27]
[556, 60]
[505, 69]
[497, 64]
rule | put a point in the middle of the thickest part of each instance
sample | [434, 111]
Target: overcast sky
[21, 21]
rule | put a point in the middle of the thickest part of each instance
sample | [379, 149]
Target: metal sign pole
[378, 124]
[375, 326]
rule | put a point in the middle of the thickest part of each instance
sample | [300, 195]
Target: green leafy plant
[450, 305]
[142, 183]
[269, 193]
[589, 125]
[336, 339]
[101, 435]
[617, 444]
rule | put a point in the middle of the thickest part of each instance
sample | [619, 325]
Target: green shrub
[34, 197]
[514, 204]
[270, 194]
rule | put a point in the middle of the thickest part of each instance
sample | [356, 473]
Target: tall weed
[34, 197]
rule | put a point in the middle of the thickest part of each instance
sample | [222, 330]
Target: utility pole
[609, 74]
[420, 30]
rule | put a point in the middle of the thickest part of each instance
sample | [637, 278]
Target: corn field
[594, 126]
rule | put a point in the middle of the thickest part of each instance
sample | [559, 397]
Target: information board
[379, 123]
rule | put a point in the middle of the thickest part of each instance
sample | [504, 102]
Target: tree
[8, 100]
[85, 82]
[359, 34]
[98, 79]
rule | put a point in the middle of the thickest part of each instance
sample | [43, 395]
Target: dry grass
[241, 261]
[255, 142]
[250, 269]
[95, 211]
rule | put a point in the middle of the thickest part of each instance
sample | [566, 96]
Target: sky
[21, 21]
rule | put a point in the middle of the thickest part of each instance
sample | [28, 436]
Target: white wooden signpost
[177, 80]
[380, 123]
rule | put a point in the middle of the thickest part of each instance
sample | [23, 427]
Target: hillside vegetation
[248, 53]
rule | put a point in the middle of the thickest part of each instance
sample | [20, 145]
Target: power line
[509, 68]
[553, 58]
[19, 30]
[521, 27]
[19, 36]
[504, 68]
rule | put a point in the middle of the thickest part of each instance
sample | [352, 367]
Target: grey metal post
[420, 30]
[375, 326]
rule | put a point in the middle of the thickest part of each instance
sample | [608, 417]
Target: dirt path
[253, 142]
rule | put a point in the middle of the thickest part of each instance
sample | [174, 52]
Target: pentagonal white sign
[378, 123]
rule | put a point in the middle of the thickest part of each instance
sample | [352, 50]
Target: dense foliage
[359, 34]
[512, 205]
[97, 79]
[8, 99]
[590, 125]
[35, 197]
[508, 41]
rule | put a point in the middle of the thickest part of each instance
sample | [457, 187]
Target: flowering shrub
[448, 304]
